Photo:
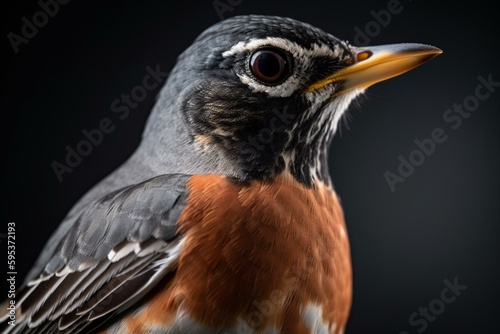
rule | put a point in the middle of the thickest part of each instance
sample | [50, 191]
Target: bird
[225, 219]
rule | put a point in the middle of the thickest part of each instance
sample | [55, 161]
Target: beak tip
[431, 49]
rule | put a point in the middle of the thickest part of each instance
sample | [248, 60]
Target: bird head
[257, 96]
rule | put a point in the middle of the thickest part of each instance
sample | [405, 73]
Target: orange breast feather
[257, 254]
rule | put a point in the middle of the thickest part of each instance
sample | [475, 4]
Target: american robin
[225, 219]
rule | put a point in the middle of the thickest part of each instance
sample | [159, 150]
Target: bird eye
[269, 66]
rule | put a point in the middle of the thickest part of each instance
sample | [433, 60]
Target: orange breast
[257, 254]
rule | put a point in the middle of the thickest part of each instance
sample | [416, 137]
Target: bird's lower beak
[377, 63]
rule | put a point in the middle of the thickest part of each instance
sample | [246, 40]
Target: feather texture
[115, 252]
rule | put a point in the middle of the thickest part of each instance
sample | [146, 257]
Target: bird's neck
[307, 153]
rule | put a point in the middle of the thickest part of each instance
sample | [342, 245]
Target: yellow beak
[378, 63]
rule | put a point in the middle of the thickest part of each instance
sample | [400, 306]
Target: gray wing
[119, 247]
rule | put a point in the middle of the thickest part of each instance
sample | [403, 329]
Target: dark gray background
[441, 223]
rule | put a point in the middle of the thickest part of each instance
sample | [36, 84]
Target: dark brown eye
[269, 66]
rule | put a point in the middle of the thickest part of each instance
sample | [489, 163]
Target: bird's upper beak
[377, 63]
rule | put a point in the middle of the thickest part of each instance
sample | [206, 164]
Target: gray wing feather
[135, 214]
[128, 238]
